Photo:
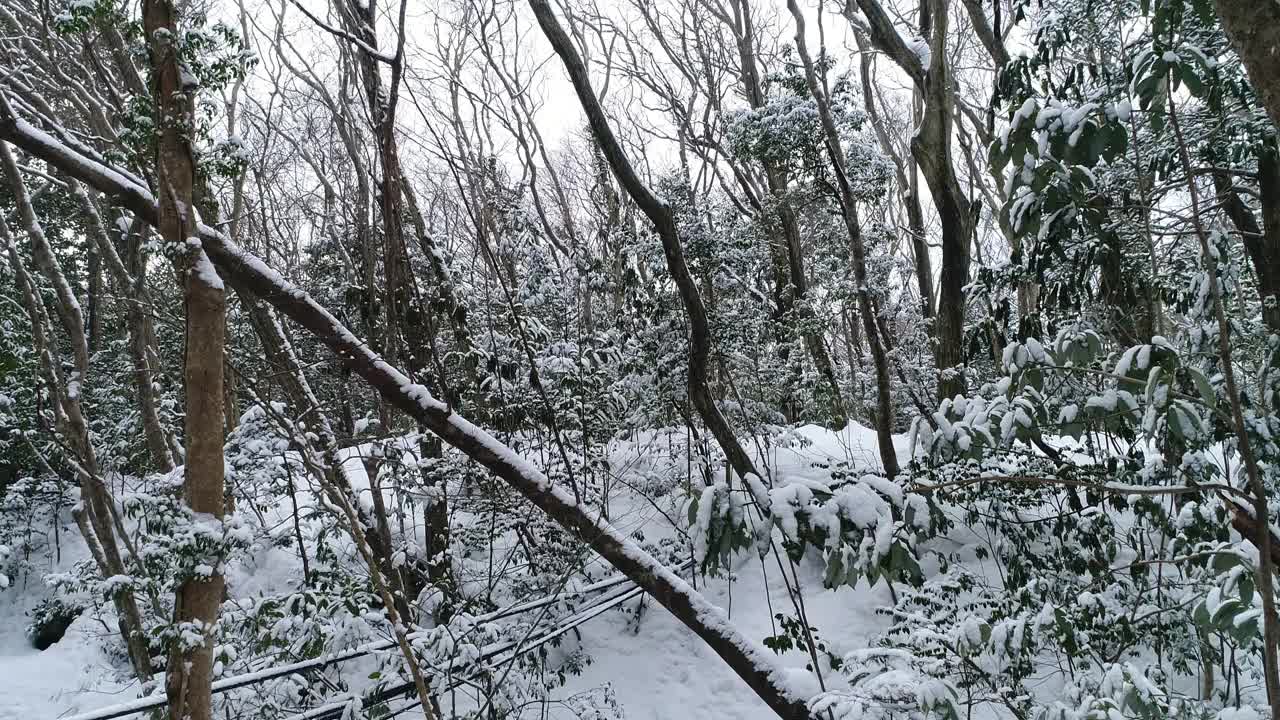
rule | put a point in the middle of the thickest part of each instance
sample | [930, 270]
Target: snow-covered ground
[655, 667]
[661, 670]
[74, 674]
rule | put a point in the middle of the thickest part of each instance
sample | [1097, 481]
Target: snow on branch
[755, 665]
[344, 35]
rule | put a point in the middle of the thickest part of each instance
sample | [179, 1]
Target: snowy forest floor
[655, 667]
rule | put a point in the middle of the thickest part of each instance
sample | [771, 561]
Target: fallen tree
[756, 666]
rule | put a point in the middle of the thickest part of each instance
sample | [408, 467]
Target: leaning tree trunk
[857, 250]
[659, 213]
[190, 667]
[754, 665]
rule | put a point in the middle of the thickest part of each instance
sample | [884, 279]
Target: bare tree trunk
[95, 517]
[659, 213]
[406, 313]
[849, 211]
[132, 288]
[1262, 243]
[1264, 251]
[190, 667]
[94, 303]
[1265, 574]
[931, 147]
[908, 186]
[1253, 27]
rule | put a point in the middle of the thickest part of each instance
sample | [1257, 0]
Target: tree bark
[95, 516]
[659, 213]
[190, 666]
[137, 305]
[1261, 244]
[931, 147]
[908, 186]
[1253, 28]
[406, 313]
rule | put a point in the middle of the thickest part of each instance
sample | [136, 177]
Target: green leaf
[1117, 142]
[1245, 631]
[1066, 632]
[1200, 616]
[1153, 382]
[1191, 80]
[1099, 141]
[997, 157]
[1224, 615]
[1204, 9]
[1246, 591]
[835, 571]
[1223, 562]
[1182, 427]
[1204, 387]
[1149, 85]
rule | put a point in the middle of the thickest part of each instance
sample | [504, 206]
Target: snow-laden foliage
[1070, 205]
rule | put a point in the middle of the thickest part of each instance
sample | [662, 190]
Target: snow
[202, 267]
[663, 671]
[84, 166]
[920, 47]
[71, 676]
[656, 667]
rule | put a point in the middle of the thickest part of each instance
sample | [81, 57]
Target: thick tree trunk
[1265, 251]
[931, 147]
[190, 668]
[1253, 27]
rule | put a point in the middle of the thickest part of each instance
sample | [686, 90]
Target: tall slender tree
[189, 677]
